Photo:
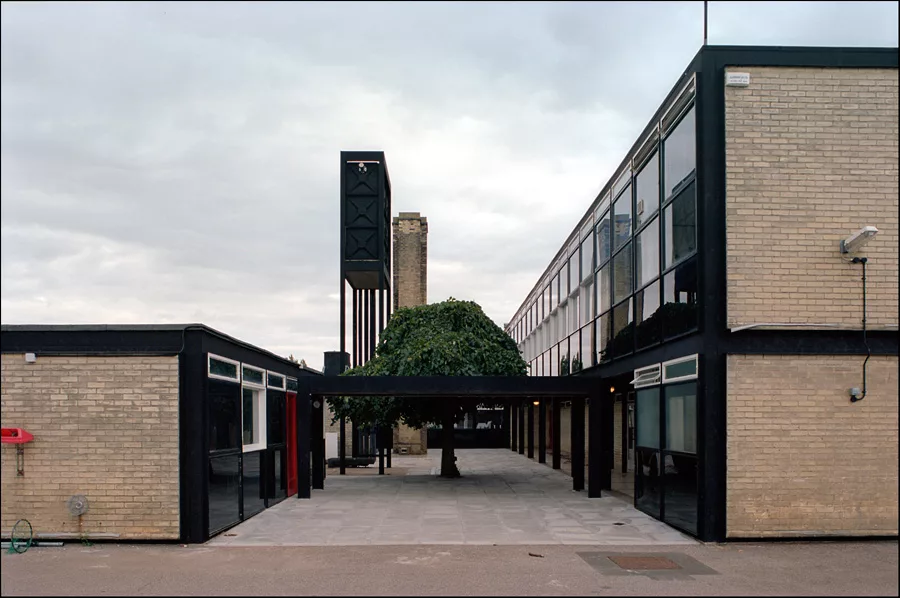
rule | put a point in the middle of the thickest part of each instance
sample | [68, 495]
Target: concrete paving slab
[503, 498]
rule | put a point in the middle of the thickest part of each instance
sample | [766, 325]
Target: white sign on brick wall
[737, 79]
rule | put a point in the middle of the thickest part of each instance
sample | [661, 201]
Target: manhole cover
[644, 563]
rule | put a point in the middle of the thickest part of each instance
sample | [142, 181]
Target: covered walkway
[503, 498]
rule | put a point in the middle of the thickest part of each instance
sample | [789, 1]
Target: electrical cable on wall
[854, 397]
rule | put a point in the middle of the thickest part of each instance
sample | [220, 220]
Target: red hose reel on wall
[19, 437]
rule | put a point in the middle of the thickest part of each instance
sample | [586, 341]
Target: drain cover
[644, 563]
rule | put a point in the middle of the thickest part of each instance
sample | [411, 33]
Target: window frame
[269, 380]
[678, 360]
[261, 410]
[647, 376]
[211, 356]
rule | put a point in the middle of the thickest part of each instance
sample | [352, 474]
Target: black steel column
[521, 409]
[530, 408]
[317, 439]
[372, 308]
[355, 327]
[303, 413]
[505, 427]
[624, 431]
[542, 431]
[379, 440]
[342, 446]
[514, 427]
[578, 443]
[598, 468]
[555, 435]
[608, 430]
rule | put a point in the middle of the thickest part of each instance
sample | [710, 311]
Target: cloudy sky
[178, 162]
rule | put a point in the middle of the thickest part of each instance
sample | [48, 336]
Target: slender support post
[577, 443]
[555, 436]
[597, 440]
[379, 439]
[530, 409]
[624, 432]
[521, 409]
[542, 431]
[514, 426]
[317, 439]
[342, 446]
[303, 428]
[608, 437]
[507, 441]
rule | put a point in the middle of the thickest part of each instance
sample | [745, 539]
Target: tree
[452, 338]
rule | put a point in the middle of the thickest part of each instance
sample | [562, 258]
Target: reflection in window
[551, 293]
[587, 303]
[680, 154]
[574, 278]
[254, 376]
[224, 415]
[275, 429]
[681, 417]
[647, 248]
[604, 237]
[250, 416]
[680, 483]
[587, 346]
[647, 495]
[679, 308]
[545, 304]
[622, 329]
[224, 492]
[574, 313]
[681, 226]
[587, 257]
[565, 358]
[648, 417]
[554, 360]
[603, 288]
[647, 191]
[647, 321]
[277, 483]
[254, 498]
[622, 219]
[218, 367]
[601, 338]
[622, 279]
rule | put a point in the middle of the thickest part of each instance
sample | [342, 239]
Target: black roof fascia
[453, 386]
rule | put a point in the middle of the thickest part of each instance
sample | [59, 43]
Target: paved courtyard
[502, 499]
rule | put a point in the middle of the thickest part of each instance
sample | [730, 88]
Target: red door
[291, 443]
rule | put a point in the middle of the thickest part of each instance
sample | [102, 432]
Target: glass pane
[276, 380]
[648, 325]
[587, 257]
[681, 226]
[250, 416]
[680, 482]
[622, 278]
[647, 191]
[601, 338]
[604, 236]
[223, 399]
[680, 155]
[646, 481]
[224, 492]
[685, 368]
[275, 428]
[647, 248]
[277, 482]
[254, 376]
[574, 312]
[574, 276]
[622, 219]
[554, 360]
[587, 303]
[292, 384]
[648, 417]
[603, 288]
[565, 358]
[680, 299]
[622, 329]
[681, 417]
[218, 367]
[587, 346]
[254, 499]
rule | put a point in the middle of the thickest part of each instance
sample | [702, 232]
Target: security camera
[855, 241]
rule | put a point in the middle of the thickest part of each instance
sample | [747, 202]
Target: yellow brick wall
[802, 459]
[105, 427]
[811, 158]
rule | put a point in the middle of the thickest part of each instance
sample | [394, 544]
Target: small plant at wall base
[452, 338]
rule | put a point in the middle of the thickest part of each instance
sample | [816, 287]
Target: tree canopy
[451, 338]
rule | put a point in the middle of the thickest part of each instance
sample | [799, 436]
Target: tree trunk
[448, 458]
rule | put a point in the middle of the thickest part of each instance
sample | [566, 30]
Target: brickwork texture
[802, 459]
[104, 427]
[811, 158]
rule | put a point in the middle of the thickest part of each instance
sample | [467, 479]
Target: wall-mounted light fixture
[537, 403]
[855, 241]
[612, 389]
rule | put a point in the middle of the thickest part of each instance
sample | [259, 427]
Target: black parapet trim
[495, 387]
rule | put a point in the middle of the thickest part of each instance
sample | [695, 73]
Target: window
[223, 368]
[292, 385]
[601, 338]
[683, 368]
[647, 323]
[603, 288]
[648, 376]
[622, 279]
[681, 226]
[622, 219]
[680, 299]
[604, 235]
[681, 417]
[587, 257]
[648, 417]
[647, 191]
[680, 496]
[253, 409]
[648, 491]
[587, 346]
[253, 375]
[276, 381]
[553, 291]
[622, 329]
[574, 277]
[587, 303]
[647, 248]
[680, 154]
[223, 401]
